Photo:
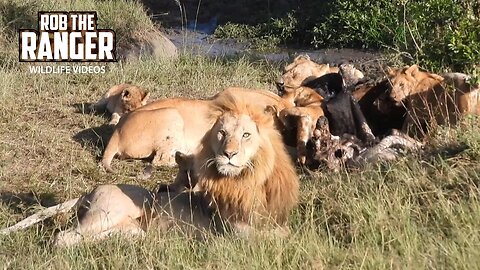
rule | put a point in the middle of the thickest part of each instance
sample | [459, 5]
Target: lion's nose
[280, 86]
[230, 154]
[279, 82]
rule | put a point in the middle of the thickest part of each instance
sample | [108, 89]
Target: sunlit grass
[421, 211]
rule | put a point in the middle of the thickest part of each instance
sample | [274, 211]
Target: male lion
[163, 127]
[243, 168]
[121, 99]
[428, 99]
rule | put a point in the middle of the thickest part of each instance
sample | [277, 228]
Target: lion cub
[121, 99]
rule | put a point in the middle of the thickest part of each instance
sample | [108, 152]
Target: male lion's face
[235, 139]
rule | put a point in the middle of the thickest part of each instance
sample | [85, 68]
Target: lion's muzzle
[280, 86]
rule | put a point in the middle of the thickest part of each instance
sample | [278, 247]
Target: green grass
[419, 212]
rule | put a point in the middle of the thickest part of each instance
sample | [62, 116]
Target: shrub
[262, 36]
[438, 34]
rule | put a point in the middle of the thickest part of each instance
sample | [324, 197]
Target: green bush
[360, 24]
[262, 36]
[436, 33]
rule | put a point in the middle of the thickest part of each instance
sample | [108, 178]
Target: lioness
[121, 99]
[428, 100]
[303, 84]
[301, 118]
[163, 127]
[123, 209]
[304, 70]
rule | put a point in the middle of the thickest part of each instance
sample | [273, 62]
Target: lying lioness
[121, 99]
[428, 99]
[125, 209]
[161, 128]
[303, 70]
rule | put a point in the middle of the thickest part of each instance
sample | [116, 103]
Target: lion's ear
[179, 157]
[183, 160]
[301, 57]
[412, 70]
[390, 71]
[271, 110]
[126, 95]
[440, 78]
[146, 96]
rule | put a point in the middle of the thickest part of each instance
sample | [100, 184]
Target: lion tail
[109, 153]
[106, 164]
[41, 215]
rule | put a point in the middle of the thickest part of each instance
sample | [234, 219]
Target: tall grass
[418, 212]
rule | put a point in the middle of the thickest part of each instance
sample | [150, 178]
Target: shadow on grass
[19, 202]
[85, 108]
[447, 151]
[94, 139]
[15, 16]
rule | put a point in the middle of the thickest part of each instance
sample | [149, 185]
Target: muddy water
[205, 44]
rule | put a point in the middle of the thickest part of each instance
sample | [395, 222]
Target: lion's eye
[221, 132]
[246, 135]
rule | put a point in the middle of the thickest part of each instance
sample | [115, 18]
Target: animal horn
[41, 216]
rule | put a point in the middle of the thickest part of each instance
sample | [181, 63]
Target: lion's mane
[269, 187]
